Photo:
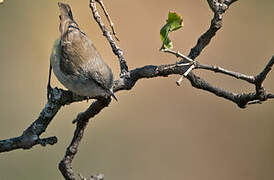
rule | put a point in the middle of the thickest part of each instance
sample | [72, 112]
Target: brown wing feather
[79, 56]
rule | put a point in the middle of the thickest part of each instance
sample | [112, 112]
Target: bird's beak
[113, 95]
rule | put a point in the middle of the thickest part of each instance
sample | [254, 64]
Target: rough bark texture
[128, 79]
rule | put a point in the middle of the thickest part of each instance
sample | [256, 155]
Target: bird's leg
[49, 88]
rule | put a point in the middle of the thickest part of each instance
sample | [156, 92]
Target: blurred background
[157, 130]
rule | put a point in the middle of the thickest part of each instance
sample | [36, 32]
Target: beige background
[157, 130]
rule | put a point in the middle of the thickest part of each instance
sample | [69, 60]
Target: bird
[76, 63]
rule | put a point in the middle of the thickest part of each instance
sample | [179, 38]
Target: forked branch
[128, 79]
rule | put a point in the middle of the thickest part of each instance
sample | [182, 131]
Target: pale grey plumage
[76, 62]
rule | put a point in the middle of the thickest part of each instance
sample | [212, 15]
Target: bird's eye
[70, 14]
[60, 17]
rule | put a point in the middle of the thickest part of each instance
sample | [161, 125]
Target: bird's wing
[96, 69]
[80, 58]
[78, 55]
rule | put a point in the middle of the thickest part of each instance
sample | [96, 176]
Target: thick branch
[218, 7]
[31, 136]
[151, 71]
[82, 120]
[128, 79]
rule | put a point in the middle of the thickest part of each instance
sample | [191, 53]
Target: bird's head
[65, 17]
[65, 11]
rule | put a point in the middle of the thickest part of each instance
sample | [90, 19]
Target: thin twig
[177, 54]
[217, 69]
[60, 97]
[31, 135]
[254, 102]
[108, 18]
[261, 77]
[185, 75]
[116, 50]
[81, 177]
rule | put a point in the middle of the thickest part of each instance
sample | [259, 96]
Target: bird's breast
[77, 82]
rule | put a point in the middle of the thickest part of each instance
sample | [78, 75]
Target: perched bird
[76, 62]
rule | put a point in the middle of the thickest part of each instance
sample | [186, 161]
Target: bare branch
[270, 96]
[218, 7]
[256, 80]
[177, 54]
[31, 136]
[82, 120]
[128, 79]
[60, 97]
[217, 69]
[116, 50]
[185, 75]
[108, 18]
[261, 77]
[151, 71]
[240, 99]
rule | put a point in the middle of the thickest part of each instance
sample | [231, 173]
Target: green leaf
[173, 23]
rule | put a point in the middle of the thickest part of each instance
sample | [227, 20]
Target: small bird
[76, 62]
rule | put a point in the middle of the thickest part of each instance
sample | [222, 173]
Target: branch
[128, 79]
[31, 136]
[253, 98]
[116, 50]
[82, 120]
[218, 7]
[218, 69]
[261, 77]
[151, 71]
[256, 80]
